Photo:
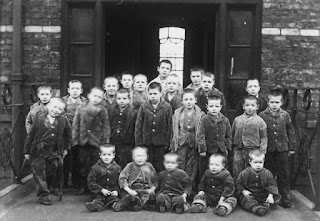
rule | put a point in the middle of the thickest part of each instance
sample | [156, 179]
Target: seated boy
[255, 187]
[140, 95]
[253, 88]
[207, 88]
[164, 68]
[196, 73]
[103, 180]
[173, 94]
[138, 181]
[216, 188]
[111, 85]
[174, 186]
[47, 143]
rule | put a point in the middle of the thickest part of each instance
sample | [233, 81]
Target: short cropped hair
[253, 79]
[74, 82]
[140, 75]
[57, 99]
[197, 68]
[165, 61]
[125, 73]
[275, 93]
[209, 74]
[123, 91]
[171, 154]
[96, 88]
[44, 87]
[255, 153]
[215, 98]
[188, 91]
[139, 148]
[109, 78]
[155, 85]
[175, 76]
[251, 98]
[223, 156]
[108, 146]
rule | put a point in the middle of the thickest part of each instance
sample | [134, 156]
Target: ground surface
[72, 208]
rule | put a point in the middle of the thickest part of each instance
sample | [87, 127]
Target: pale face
[154, 95]
[127, 81]
[140, 83]
[111, 86]
[75, 90]
[216, 164]
[207, 83]
[195, 77]
[170, 163]
[257, 163]
[253, 87]
[164, 70]
[140, 157]
[55, 108]
[44, 96]
[189, 100]
[275, 102]
[172, 84]
[122, 99]
[95, 97]
[107, 155]
[250, 107]
[214, 107]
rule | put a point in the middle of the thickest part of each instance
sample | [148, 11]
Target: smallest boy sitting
[103, 180]
[216, 188]
[173, 95]
[196, 73]
[138, 181]
[140, 95]
[256, 188]
[111, 85]
[175, 186]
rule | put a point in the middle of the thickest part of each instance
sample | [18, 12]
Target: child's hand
[270, 199]
[150, 190]
[203, 154]
[114, 193]
[105, 192]
[201, 193]
[221, 200]
[246, 192]
[65, 152]
[184, 197]
[27, 156]
[132, 192]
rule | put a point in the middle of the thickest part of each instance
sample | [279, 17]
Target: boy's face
[253, 87]
[139, 157]
[164, 69]
[250, 107]
[95, 97]
[55, 108]
[154, 95]
[257, 163]
[195, 77]
[170, 163]
[122, 99]
[127, 81]
[189, 100]
[107, 155]
[275, 102]
[75, 90]
[172, 84]
[111, 86]
[140, 83]
[44, 96]
[216, 164]
[214, 107]
[207, 83]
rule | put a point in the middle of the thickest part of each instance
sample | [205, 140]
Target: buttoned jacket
[202, 99]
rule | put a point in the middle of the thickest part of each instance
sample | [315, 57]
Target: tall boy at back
[281, 139]
[207, 88]
[249, 131]
[122, 121]
[196, 73]
[90, 130]
[111, 85]
[153, 125]
[164, 69]
[173, 94]
[140, 95]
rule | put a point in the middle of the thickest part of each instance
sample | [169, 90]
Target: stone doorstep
[304, 205]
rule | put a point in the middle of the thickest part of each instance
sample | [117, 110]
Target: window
[172, 48]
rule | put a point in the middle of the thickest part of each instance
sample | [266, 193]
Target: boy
[47, 142]
[281, 139]
[153, 125]
[164, 69]
[103, 180]
[255, 187]
[138, 181]
[216, 188]
[196, 73]
[71, 161]
[111, 85]
[90, 130]
[44, 95]
[185, 126]
[122, 121]
[140, 95]
[253, 88]
[214, 134]
[174, 186]
[127, 80]
[207, 88]
[173, 94]
[249, 131]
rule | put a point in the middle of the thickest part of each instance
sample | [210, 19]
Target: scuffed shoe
[198, 208]
[91, 206]
[261, 211]
[45, 201]
[161, 203]
[221, 211]
[136, 203]
[180, 206]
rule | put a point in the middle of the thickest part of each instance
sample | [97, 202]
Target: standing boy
[281, 140]
[173, 94]
[127, 82]
[140, 94]
[47, 143]
[111, 85]
[164, 69]
[90, 130]
[122, 121]
[153, 125]
[196, 73]
[249, 131]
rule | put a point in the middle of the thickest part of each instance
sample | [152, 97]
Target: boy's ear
[158, 68]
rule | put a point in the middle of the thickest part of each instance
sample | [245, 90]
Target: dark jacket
[127, 134]
[176, 182]
[131, 172]
[36, 109]
[268, 183]
[218, 185]
[175, 102]
[153, 126]
[107, 104]
[214, 134]
[202, 99]
[103, 176]
[281, 133]
[34, 139]
[91, 126]
[263, 104]
[70, 109]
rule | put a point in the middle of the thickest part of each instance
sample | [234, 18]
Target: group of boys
[144, 145]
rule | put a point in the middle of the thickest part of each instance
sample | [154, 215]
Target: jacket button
[154, 122]
[153, 130]
[89, 131]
